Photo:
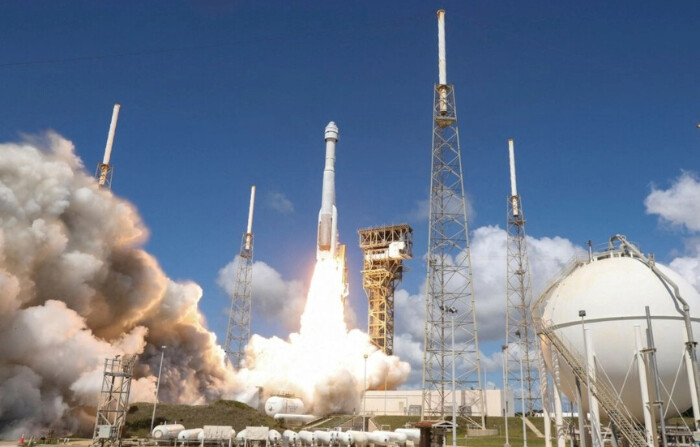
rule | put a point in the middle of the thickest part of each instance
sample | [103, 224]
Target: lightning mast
[238, 332]
[522, 359]
[104, 169]
[449, 276]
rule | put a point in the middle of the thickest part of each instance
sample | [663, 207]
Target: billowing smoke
[323, 364]
[75, 288]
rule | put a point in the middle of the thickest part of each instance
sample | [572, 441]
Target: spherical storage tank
[613, 289]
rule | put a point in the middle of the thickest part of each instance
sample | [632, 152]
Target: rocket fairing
[327, 244]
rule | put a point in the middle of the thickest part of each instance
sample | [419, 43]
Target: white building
[409, 402]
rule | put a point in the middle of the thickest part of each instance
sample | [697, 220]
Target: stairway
[602, 390]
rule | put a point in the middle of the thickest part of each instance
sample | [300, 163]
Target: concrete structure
[408, 402]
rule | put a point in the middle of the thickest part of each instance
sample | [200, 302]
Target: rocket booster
[327, 245]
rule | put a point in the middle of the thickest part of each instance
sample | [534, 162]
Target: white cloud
[679, 205]
[279, 202]
[274, 298]
[421, 211]
[488, 255]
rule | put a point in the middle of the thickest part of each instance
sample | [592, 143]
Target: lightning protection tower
[103, 174]
[238, 332]
[384, 249]
[521, 359]
[113, 401]
[449, 308]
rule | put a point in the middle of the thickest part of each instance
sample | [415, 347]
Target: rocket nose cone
[331, 131]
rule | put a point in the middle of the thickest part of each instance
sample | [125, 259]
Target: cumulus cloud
[279, 202]
[547, 256]
[421, 210]
[273, 297]
[678, 205]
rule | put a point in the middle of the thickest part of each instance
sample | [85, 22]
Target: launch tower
[238, 332]
[104, 169]
[384, 249]
[451, 336]
[113, 401]
[521, 361]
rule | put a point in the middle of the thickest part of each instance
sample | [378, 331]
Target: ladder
[603, 392]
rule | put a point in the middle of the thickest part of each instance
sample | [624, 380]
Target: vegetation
[221, 412]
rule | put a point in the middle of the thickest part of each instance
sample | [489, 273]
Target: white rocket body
[327, 245]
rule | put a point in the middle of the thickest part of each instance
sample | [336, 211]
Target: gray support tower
[238, 331]
[449, 276]
[521, 359]
[113, 401]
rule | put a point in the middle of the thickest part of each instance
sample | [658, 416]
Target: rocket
[327, 244]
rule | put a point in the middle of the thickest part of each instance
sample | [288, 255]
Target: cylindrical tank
[288, 405]
[344, 438]
[323, 437]
[189, 435]
[166, 431]
[613, 289]
[273, 436]
[240, 437]
[413, 434]
[307, 438]
[359, 437]
[396, 437]
[378, 437]
[290, 437]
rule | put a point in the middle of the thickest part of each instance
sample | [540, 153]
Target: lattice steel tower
[103, 174]
[113, 401]
[521, 342]
[449, 278]
[384, 249]
[238, 332]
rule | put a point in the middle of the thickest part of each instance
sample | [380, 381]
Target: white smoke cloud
[75, 287]
[679, 205]
[273, 298]
[279, 202]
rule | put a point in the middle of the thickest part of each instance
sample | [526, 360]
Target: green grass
[515, 431]
[221, 412]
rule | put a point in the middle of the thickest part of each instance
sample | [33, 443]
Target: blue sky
[602, 99]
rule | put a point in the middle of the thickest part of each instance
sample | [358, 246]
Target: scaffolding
[113, 401]
[451, 337]
[384, 249]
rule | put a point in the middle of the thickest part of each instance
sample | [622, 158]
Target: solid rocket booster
[328, 216]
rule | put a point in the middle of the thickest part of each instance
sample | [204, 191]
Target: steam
[75, 288]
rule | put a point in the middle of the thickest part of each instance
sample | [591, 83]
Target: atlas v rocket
[327, 245]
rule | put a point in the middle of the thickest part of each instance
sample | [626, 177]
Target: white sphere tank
[284, 405]
[613, 291]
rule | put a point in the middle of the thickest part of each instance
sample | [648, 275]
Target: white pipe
[558, 410]
[110, 135]
[643, 385]
[591, 378]
[249, 232]
[295, 417]
[691, 381]
[442, 58]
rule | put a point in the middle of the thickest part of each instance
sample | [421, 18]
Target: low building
[409, 402]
